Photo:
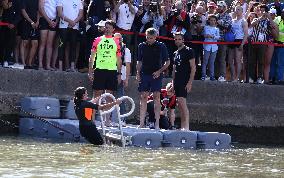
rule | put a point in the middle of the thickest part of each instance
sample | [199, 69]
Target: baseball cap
[101, 23]
[221, 3]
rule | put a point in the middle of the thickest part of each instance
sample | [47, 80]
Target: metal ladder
[125, 140]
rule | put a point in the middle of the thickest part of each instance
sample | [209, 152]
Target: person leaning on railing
[224, 22]
[260, 33]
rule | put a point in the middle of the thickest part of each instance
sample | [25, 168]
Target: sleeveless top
[237, 28]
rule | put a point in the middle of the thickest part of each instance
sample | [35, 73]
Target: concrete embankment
[249, 113]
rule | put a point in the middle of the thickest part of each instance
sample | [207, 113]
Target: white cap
[273, 11]
[221, 3]
[101, 23]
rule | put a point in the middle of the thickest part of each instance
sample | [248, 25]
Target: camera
[153, 7]
[176, 12]
[195, 20]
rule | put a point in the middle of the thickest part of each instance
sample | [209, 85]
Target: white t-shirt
[50, 8]
[125, 18]
[127, 58]
[71, 9]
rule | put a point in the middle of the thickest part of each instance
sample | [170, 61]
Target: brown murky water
[30, 157]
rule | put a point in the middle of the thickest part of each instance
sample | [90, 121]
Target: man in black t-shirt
[184, 71]
[30, 31]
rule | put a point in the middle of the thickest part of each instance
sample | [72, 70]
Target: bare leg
[157, 108]
[43, 37]
[55, 52]
[184, 113]
[231, 57]
[49, 48]
[23, 51]
[267, 60]
[17, 48]
[33, 50]
[143, 108]
[238, 59]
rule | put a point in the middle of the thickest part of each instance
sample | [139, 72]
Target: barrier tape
[194, 42]
[4, 24]
[204, 42]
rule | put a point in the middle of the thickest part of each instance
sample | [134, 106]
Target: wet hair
[78, 95]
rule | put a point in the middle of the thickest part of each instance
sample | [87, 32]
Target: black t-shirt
[181, 60]
[12, 14]
[152, 56]
[31, 7]
[84, 112]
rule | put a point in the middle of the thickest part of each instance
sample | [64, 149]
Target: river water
[30, 157]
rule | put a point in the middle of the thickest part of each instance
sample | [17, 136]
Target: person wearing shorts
[29, 31]
[47, 27]
[105, 63]
[184, 67]
[152, 60]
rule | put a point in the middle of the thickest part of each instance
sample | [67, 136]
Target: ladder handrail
[118, 113]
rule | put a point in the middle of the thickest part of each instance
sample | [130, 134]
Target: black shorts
[19, 28]
[28, 32]
[43, 25]
[180, 90]
[105, 80]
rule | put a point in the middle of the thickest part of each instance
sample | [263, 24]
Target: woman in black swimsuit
[84, 110]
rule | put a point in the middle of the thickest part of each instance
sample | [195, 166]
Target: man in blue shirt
[152, 60]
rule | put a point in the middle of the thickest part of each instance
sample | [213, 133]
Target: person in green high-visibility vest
[277, 63]
[105, 63]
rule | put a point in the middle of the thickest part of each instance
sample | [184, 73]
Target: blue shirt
[213, 31]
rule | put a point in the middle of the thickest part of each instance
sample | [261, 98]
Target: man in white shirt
[126, 13]
[70, 13]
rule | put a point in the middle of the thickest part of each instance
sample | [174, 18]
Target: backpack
[229, 36]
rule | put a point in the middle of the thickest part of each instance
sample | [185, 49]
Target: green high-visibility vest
[106, 54]
[280, 24]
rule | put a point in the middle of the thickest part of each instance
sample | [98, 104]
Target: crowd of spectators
[58, 34]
